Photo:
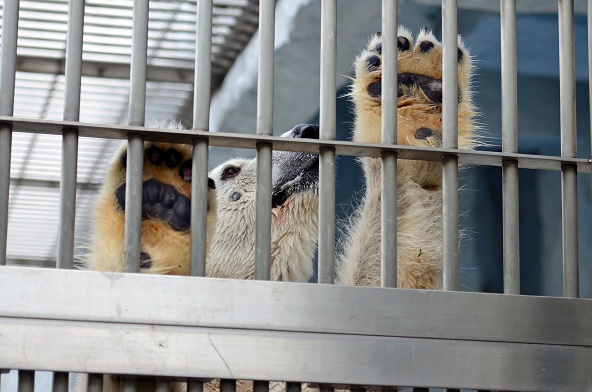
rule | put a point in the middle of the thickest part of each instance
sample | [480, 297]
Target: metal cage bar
[589, 13]
[201, 122]
[67, 206]
[567, 98]
[511, 242]
[450, 140]
[388, 244]
[7, 78]
[326, 247]
[135, 149]
[264, 127]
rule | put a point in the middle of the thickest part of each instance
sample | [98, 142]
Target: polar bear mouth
[304, 178]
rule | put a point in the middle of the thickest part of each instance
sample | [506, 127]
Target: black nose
[211, 183]
[306, 131]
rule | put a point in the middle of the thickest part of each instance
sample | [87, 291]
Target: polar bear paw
[419, 91]
[166, 212]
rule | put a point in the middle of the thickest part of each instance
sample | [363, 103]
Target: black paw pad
[379, 48]
[155, 155]
[425, 133]
[373, 63]
[172, 158]
[161, 202]
[375, 89]
[432, 88]
[403, 44]
[425, 46]
[185, 171]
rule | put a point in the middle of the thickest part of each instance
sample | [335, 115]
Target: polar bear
[231, 213]
[294, 215]
[419, 183]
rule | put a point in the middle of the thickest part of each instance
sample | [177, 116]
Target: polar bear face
[294, 220]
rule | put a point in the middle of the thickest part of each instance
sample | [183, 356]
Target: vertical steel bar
[201, 122]
[569, 183]
[567, 98]
[590, 70]
[95, 382]
[388, 244]
[67, 209]
[450, 140]
[7, 77]
[60, 382]
[264, 127]
[326, 251]
[26, 381]
[511, 220]
[135, 150]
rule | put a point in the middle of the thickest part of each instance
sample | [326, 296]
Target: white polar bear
[294, 215]
[231, 214]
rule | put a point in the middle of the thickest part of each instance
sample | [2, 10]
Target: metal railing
[187, 328]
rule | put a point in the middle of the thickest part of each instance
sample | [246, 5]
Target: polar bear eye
[229, 172]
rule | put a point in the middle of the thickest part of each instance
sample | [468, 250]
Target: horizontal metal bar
[281, 306]
[104, 70]
[222, 139]
[344, 359]
[32, 182]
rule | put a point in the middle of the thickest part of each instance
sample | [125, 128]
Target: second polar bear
[419, 183]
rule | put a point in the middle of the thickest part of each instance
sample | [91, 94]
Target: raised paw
[419, 91]
[166, 212]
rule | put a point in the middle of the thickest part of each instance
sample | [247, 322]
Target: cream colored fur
[419, 185]
[293, 235]
[169, 249]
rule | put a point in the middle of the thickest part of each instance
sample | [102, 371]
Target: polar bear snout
[295, 172]
[303, 131]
